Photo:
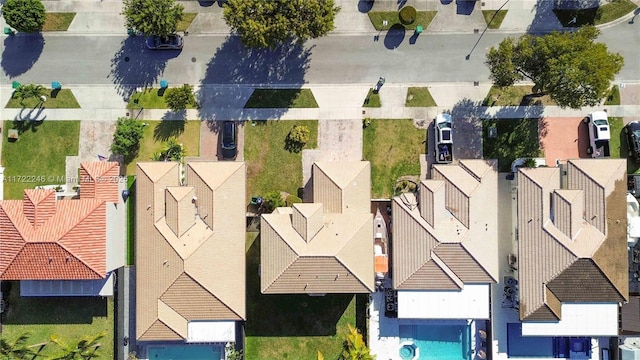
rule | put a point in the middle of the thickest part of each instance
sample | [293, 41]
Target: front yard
[158, 132]
[393, 147]
[295, 326]
[515, 138]
[38, 156]
[270, 167]
[68, 317]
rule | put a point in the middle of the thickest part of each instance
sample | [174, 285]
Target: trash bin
[56, 85]
[419, 29]
[15, 85]
[8, 31]
[164, 84]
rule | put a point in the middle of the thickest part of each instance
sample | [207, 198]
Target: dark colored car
[632, 134]
[171, 42]
[229, 140]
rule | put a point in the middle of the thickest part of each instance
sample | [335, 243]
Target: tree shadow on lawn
[472, 122]
[236, 66]
[136, 66]
[52, 310]
[289, 315]
[167, 129]
[26, 125]
[21, 52]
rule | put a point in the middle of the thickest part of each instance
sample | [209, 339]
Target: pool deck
[384, 332]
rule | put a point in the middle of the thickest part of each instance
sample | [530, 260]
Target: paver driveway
[563, 138]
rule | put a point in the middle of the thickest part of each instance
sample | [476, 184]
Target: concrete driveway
[210, 145]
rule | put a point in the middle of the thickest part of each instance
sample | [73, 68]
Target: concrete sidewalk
[103, 16]
[336, 102]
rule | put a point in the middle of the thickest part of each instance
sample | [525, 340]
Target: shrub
[292, 199]
[407, 15]
[126, 139]
[180, 98]
[297, 138]
[272, 200]
[24, 15]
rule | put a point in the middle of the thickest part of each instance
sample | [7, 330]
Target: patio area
[562, 139]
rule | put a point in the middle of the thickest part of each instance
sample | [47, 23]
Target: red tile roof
[42, 238]
[99, 180]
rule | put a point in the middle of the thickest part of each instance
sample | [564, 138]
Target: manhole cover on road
[126, 59]
[193, 59]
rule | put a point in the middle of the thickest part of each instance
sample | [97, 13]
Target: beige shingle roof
[325, 246]
[446, 236]
[569, 239]
[190, 258]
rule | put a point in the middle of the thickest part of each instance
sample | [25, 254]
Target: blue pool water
[439, 342]
[185, 352]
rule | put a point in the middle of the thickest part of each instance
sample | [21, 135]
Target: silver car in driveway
[171, 42]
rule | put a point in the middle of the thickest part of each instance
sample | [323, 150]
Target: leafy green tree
[262, 24]
[85, 348]
[18, 348]
[152, 17]
[570, 67]
[24, 92]
[24, 15]
[297, 138]
[180, 98]
[354, 346]
[126, 139]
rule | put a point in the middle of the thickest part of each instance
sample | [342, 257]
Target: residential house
[190, 251]
[325, 246]
[572, 270]
[445, 243]
[66, 247]
[572, 273]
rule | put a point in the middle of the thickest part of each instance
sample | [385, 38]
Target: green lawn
[185, 22]
[595, 16]
[419, 97]
[516, 138]
[68, 317]
[58, 21]
[269, 166]
[38, 157]
[393, 147]
[158, 132]
[518, 95]
[617, 145]
[295, 326]
[281, 98]
[131, 220]
[372, 99]
[152, 98]
[423, 18]
[495, 16]
[56, 99]
[614, 96]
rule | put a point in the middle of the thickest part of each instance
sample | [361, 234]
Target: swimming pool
[439, 342]
[185, 352]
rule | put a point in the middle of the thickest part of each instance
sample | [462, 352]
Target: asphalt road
[343, 59]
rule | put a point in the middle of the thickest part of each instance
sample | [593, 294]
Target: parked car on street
[229, 140]
[444, 138]
[632, 134]
[171, 42]
[599, 134]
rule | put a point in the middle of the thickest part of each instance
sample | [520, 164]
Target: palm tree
[24, 92]
[85, 349]
[354, 346]
[18, 349]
